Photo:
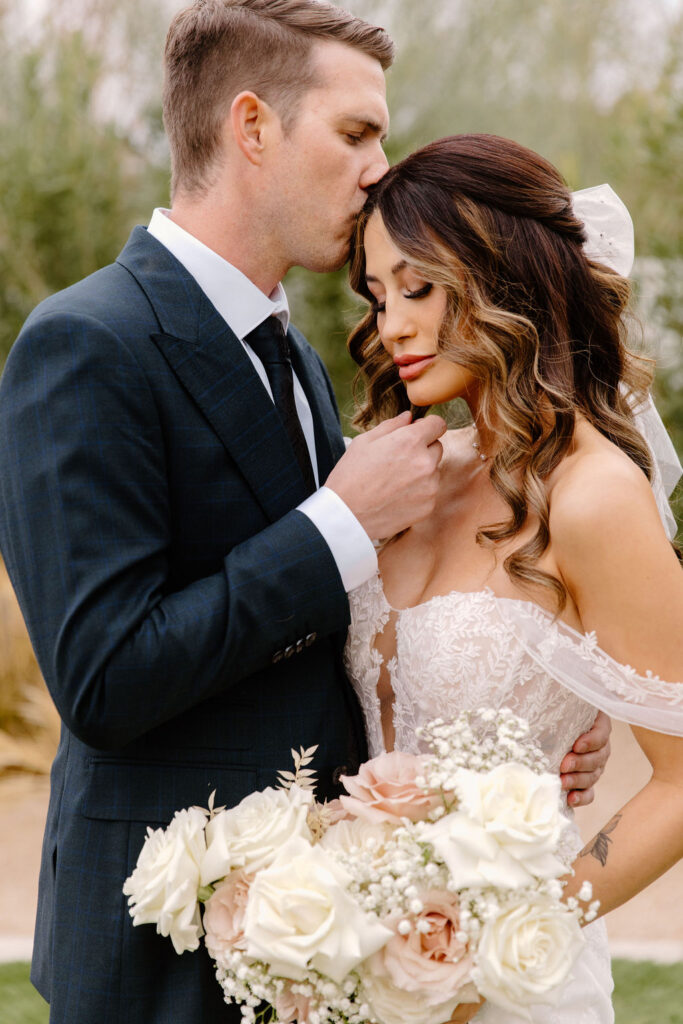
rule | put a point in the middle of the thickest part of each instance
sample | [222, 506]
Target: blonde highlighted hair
[540, 326]
[216, 49]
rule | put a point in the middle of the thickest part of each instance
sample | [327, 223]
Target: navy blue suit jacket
[148, 522]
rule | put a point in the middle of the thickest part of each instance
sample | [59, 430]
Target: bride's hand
[465, 1012]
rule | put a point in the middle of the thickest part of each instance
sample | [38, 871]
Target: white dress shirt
[243, 306]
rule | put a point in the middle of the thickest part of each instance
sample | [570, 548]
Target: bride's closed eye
[419, 293]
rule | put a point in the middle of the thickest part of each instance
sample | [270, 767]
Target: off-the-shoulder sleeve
[577, 662]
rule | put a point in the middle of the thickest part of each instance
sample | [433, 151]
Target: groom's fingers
[581, 797]
[584, 764]
[579, 786]
[594, 761]
[597, 738]
[426, 430]
[579, 774]
[580, 780]
[389, 476]
[388, 426]
[429, 429]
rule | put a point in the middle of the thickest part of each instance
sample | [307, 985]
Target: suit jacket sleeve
[85, 530]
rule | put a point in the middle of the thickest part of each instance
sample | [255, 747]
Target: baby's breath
[390, 879]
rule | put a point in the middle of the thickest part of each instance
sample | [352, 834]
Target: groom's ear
[253, 123]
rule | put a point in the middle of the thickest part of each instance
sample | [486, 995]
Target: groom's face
[331, 155]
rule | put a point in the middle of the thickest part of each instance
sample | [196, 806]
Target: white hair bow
[609, 240]
[608, 227]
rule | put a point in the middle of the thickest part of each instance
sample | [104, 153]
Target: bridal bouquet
[433, 882]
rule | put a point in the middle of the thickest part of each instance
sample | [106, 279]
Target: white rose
[357, 833]
[300, 914]
[526, 953]
[249, 836]
[521, 810]
[163, 887]
[390, 1004]
[473, 856]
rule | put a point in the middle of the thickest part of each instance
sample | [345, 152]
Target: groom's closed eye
[365, 127]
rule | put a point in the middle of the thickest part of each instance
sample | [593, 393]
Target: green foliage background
[662, 983]
[594, 85]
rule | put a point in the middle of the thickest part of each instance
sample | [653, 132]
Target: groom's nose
[377, 167]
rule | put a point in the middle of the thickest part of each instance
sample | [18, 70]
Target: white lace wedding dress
[465, 651]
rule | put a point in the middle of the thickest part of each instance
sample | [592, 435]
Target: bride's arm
[628, 587]
[644, 838]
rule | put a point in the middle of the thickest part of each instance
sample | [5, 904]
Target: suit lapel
[214, 369]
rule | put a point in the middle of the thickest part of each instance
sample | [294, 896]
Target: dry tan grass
[29, 723]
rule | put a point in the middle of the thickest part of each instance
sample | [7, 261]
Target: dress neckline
[587, 642]
[528, 607]
[482, 592]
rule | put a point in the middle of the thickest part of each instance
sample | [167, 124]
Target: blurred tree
[73, 179]
[646, 154]
[595, 85]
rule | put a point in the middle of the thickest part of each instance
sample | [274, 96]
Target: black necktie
[270, 344]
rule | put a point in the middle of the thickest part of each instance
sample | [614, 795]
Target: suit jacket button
[300, 646]
[310, 639]
[342, 769]
[289, 651]
[278, 656]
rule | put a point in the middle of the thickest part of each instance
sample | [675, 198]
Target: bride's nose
[397, 326]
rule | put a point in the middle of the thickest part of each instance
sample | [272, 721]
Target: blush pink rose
[292, 1006]
[224, 915]
[385, 789]
[434, 963]
[336, 811]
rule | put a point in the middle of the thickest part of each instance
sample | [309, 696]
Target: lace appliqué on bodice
[465, 650]
[453, 653]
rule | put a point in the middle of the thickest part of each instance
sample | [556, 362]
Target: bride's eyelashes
[419, 293]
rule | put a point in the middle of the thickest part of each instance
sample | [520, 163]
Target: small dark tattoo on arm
[599, 848]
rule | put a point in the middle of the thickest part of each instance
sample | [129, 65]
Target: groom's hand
[389, 477]
[585, 762]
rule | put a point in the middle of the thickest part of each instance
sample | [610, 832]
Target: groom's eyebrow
[378, 129]
[370, 125]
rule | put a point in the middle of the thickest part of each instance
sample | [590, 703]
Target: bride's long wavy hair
[540, 326]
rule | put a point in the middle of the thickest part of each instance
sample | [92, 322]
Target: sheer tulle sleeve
[577, 662]
[667, 469]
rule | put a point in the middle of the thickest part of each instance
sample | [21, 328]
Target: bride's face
[409, 313]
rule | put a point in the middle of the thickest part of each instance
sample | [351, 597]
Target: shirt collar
[242, 305]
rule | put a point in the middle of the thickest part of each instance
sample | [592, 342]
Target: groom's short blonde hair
[216, 49]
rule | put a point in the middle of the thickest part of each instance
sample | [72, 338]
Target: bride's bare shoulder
[599, 493]
[612, 552]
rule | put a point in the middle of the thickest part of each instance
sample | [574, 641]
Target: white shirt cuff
[351, 548]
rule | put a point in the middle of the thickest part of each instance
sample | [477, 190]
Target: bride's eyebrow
[396, 269]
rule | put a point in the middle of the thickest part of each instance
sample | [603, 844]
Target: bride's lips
[412, 366]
